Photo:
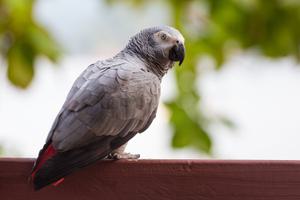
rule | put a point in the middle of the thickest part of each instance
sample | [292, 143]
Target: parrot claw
[119, 156]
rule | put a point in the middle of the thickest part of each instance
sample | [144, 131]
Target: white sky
[261, 96]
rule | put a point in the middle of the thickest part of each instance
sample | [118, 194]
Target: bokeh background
[235, 97]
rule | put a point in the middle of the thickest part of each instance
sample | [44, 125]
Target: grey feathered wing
[108, 104]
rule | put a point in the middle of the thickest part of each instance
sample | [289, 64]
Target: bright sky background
[261, 96]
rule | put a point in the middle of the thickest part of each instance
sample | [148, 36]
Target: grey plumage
[109, 103]
[107, 99]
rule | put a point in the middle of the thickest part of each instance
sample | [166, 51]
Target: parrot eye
[163, 36]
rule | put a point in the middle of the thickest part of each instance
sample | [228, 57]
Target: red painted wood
[160, 180]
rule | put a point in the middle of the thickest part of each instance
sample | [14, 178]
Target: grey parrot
[109, 103]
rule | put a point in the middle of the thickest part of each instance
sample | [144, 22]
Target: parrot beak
[177, 53]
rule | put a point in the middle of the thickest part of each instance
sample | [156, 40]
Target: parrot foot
[128, 156]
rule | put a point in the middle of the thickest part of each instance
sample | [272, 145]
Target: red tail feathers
[58, 182]
[48, 153]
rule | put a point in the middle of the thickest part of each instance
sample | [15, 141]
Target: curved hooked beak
[177, 53]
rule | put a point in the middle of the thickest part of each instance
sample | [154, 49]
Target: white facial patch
[169, 37]
[175, 33]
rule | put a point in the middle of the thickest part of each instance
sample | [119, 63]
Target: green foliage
[222, 26]
[188, 129]
[188, 123]
[22, 40]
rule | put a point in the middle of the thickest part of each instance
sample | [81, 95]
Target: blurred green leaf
[22, 41]
[187, 131]
[42, 43]
[20, 65]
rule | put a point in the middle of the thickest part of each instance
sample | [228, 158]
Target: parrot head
[169, 42]
[162, 45]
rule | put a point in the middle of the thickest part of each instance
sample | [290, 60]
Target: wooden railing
[160, 180]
